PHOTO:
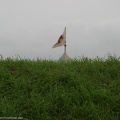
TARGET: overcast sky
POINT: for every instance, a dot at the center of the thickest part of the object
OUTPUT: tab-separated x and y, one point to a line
30	28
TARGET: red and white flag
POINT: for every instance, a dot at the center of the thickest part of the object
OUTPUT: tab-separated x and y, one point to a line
61	40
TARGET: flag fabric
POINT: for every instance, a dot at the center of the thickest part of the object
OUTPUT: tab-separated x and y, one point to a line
61	40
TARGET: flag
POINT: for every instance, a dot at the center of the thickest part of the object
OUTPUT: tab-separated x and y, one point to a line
61	40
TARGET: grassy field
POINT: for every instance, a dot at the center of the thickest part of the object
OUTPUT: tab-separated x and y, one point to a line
82	89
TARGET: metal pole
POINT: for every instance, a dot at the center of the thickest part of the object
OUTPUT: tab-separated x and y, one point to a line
65	49
65	41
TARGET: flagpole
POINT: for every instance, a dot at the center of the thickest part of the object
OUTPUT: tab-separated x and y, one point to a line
65	57
61	42
65	48
65	42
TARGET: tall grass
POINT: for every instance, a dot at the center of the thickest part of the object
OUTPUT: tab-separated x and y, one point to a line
82	89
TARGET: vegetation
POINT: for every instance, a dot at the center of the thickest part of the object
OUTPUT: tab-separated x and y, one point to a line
82	89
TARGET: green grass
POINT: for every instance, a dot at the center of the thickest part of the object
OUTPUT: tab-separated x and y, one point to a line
82	89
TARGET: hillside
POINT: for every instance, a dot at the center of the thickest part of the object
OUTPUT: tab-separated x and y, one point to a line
82	89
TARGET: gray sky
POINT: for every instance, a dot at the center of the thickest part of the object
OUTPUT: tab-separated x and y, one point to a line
30	28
